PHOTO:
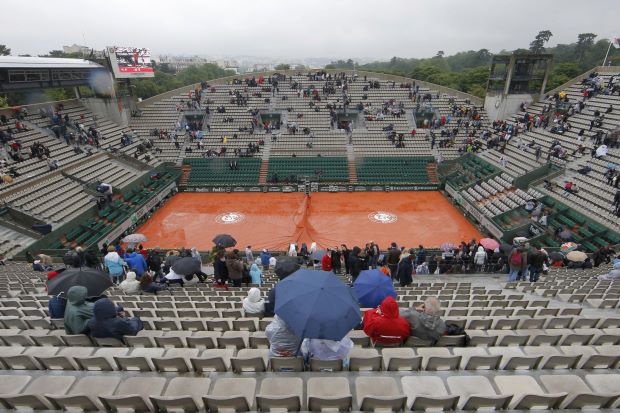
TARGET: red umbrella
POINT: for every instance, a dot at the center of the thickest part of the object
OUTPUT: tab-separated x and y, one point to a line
489	243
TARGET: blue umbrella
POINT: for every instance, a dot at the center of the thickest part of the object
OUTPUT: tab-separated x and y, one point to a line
372	286
316	304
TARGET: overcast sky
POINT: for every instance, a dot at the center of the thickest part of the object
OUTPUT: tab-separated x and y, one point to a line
293	28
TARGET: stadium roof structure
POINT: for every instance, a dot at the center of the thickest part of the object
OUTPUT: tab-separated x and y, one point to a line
26	73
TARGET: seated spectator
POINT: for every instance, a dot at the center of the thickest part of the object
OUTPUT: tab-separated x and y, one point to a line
327	350
282	341
253	304
384	325
130	285
424	321
147	285
78	311
37	266
112	322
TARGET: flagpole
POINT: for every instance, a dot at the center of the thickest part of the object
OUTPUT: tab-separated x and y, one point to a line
607	54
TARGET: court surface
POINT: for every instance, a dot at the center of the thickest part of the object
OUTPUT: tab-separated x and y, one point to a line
274	220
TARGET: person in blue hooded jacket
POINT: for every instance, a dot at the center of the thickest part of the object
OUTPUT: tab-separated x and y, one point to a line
264	259
110	321
136	262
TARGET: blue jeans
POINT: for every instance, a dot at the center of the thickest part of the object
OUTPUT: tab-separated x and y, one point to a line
513	274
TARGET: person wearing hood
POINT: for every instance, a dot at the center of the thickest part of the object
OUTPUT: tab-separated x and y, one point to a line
235	268
282	341
114	263
480	258
249	255
135	262
384	325
326	261
109	321
78	311
327	350
264	259
130	285
355	263
424	320
253	304
256	274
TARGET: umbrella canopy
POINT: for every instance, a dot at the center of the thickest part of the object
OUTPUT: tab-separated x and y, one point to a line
134	238
447	246
316	304
556	256
566	235
318	255
576	256
568	247
506	248
186	266
371	288
285	266
224	240
95	281
489	243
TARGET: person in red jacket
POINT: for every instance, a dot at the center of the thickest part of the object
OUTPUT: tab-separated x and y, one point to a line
384	325
326	262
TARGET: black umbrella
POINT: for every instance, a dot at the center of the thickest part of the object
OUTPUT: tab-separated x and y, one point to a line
285	266
318	255
186	266
556	256
95	281
224	240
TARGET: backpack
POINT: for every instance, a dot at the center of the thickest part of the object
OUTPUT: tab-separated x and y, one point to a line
456	330
515	260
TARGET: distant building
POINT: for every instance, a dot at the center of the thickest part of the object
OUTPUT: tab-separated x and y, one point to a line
76	48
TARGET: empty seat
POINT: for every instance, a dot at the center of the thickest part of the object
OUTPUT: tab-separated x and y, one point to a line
476	392
254	360
182	393
280	393
379	393
580	396
427	392
82	395
527	393
329	393
32	397
396	359
364	359
231	393
133	393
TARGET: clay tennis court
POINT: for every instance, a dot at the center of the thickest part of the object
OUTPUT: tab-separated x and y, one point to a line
274	220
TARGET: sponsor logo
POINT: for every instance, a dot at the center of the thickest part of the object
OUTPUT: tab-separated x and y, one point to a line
382	217
229	218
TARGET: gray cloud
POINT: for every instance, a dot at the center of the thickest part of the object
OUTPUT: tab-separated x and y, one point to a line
291	28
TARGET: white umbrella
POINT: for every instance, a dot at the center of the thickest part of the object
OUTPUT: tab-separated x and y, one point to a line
133	239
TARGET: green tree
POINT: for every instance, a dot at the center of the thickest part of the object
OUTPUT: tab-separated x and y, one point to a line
4	102
538	44
4	51
440	54
584	43
283	66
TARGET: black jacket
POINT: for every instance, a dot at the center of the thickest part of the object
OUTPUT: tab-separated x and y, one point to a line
405	269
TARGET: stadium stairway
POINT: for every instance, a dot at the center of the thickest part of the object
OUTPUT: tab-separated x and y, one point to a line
352	166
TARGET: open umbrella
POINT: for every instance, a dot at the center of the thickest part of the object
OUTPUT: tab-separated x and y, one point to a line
489	243
186	266
576	256
285	266
318	255
556	256
371	288
566	235
447	246
134	238
317	304
224	240
95	281
568	247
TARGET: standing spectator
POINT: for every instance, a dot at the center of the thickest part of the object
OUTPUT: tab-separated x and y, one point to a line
114	263
480	258
249	255
405	269
264	259
135	262
235	268
517	261
355	263
393	258
326	261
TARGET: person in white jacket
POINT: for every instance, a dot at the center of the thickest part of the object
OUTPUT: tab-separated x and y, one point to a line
480	258
130	285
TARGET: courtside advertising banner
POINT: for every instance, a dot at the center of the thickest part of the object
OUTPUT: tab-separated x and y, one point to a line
130	62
